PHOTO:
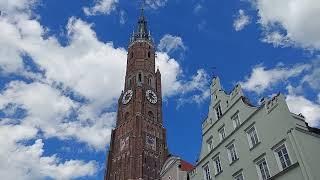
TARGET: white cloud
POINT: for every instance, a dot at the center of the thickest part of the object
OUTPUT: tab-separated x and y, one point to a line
49	110
311	110
241	21
70	99
202	26
169	43
101	7
12	6
313	78
290	22
199	83
85	66
170	70
277	39
155	4
172	84
261	78
198	7
123	17
19	161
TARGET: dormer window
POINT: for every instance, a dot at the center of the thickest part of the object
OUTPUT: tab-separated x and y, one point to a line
218	111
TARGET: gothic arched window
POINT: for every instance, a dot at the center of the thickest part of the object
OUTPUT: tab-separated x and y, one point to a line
151	115
140	77
129	82
126	117
150	81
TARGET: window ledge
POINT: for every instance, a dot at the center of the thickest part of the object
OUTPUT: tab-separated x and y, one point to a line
233	162
284	171
254	146
218	173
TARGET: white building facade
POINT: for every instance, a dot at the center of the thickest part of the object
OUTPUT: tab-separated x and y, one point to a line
241	141
175	169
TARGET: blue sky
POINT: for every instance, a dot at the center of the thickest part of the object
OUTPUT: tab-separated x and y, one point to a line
62	66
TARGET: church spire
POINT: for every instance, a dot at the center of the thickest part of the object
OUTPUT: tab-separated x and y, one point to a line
141	32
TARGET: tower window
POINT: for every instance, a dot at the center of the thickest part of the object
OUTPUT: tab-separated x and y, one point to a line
150	81
130	82
131	54
150	114
149	54
126	117
140	77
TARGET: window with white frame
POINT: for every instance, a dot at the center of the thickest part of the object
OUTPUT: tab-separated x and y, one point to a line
236	120
217	163
282	157
238	176
218	111
252	136
222	133
210	144
206	171
232	153
263	170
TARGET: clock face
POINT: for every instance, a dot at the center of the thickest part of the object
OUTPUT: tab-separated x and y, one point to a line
127	97
151	96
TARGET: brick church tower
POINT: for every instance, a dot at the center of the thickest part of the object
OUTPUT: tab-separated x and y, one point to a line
138	145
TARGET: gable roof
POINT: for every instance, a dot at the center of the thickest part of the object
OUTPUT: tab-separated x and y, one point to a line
185	166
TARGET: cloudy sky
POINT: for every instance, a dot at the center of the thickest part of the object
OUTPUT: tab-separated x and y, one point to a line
62	66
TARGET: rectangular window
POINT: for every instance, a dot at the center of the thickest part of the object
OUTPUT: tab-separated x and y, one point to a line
252	137
283	157
238	176
222	133
217	163
236	120
263	169
218	111
206	170
210	144
232	153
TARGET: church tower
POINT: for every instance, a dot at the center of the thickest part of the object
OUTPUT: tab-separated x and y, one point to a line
138	145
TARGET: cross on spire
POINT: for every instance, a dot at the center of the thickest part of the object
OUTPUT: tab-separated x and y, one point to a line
142	32
143	3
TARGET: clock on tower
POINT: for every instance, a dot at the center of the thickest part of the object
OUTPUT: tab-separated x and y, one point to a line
138	145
